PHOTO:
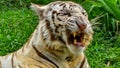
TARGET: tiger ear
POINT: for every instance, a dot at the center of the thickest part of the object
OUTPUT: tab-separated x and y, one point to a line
38	9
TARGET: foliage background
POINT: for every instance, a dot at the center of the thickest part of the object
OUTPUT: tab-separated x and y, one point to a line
17	22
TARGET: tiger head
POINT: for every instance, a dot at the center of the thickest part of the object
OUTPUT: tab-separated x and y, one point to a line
64	25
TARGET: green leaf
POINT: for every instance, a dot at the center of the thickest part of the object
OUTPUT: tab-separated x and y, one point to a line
111	7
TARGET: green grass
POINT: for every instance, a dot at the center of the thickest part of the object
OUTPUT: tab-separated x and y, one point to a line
16	25
104	50
18	22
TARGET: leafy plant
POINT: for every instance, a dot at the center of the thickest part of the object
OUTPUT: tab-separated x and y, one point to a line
112	7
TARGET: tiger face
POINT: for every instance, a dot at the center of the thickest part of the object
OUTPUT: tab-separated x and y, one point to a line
64	25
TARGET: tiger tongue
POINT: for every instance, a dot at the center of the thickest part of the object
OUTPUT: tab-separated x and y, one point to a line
79	44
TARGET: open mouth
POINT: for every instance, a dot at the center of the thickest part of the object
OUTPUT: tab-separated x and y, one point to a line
77	39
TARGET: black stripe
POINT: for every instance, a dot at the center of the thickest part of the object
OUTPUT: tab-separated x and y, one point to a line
41	55
59	19
19	66
38	66
52	37
82	63
12	62
53	12
62	4
0	65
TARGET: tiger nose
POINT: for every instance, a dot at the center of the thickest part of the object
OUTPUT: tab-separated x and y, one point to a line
82	26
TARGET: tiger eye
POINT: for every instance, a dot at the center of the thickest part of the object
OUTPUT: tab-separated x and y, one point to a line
84	13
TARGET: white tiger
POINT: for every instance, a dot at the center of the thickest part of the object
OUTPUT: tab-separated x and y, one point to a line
59	41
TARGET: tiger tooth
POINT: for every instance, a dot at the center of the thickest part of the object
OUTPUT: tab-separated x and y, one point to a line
74	34
83	40
75	41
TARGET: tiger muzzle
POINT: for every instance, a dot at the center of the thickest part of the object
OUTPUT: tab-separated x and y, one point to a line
77	37
81	22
